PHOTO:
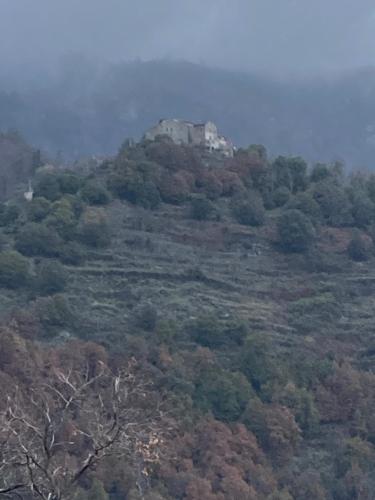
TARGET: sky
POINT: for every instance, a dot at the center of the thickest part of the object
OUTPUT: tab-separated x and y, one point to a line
274	36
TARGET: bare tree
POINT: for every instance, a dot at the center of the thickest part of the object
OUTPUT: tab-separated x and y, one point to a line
52	434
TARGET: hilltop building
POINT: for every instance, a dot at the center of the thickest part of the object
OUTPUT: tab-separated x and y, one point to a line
183	132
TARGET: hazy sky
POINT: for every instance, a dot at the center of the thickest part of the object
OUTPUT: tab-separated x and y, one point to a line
280	36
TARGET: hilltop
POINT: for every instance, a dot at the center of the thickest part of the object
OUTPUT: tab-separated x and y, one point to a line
320	119
243	287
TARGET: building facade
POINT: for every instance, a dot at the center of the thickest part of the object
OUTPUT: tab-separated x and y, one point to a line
183	132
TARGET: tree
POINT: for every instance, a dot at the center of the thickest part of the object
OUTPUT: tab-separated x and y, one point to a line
69	183
334	203
48	187
281	196
9	214
51	278
62	218
363	209
38	209
295	231
56	431
320	172
95	194
358	248
305	202
201	208
250	211
14	269
37	239
94	230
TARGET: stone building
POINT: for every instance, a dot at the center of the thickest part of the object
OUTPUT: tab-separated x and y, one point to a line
183	132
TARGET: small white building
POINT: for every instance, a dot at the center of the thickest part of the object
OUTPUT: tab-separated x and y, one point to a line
183	132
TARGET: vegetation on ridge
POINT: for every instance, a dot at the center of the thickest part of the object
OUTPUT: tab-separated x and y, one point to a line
240	289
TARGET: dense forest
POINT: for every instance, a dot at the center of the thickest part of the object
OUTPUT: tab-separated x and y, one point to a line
176	325
320	119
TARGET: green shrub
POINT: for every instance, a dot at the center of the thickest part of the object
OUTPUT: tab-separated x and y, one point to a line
295	231
54	313
95	194
131	185
76	204
324	306
281	196
149	196
38	209
223	393
306	204
209	332
363	210
249	211
51	278
48	187
71	254
201	208
320	172
62	219
255	362
38	239
146	317
334	203
14	270
166	330
302	404
93	230
69	183
9	214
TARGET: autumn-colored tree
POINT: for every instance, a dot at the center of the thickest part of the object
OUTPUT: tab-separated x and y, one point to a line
59	428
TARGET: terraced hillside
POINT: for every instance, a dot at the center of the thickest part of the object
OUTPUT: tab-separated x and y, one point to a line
243	290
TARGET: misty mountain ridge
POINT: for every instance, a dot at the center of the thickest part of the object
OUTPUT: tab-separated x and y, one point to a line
90	111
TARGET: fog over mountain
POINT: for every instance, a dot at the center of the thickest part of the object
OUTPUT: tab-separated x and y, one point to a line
78	77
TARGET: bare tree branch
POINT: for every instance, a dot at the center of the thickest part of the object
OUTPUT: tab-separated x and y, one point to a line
53	434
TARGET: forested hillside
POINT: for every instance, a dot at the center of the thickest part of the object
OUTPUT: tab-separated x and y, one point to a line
320	119
179	326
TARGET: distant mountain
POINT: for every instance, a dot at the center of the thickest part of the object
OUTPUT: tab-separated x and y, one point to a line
91	111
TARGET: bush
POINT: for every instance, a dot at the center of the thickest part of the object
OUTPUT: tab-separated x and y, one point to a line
249	211
62	219
358	248
51	278
146	317
69	183
72	254
255	362
295	231
201	208
224	393
281	196
54	313
306	204
363	210
14	270
132	187
48	187
38	209
209	332
38	239
95	194
9	214
334	203
93	230
320	172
